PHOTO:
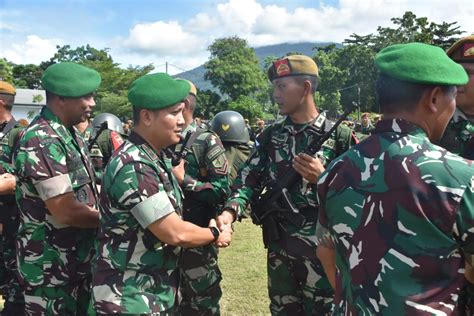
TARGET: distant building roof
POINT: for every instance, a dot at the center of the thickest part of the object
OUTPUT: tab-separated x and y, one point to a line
30	97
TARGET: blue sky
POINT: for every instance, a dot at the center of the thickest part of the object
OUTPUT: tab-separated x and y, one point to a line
179	31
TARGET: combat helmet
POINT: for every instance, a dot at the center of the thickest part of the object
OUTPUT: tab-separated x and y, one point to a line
113	122
231	127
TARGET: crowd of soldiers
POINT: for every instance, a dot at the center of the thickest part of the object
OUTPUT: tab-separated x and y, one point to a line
99	220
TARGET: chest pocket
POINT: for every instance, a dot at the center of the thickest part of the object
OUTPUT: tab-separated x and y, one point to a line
77	171
3	144
278	149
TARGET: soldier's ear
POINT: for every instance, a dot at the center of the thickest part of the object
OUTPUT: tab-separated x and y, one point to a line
307	87
146	117
432	98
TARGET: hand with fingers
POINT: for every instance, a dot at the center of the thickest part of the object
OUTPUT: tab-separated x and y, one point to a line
225	235
310	168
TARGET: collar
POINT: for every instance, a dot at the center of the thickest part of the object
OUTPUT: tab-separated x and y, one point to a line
56	124
399	126
316	123
140	142
191	127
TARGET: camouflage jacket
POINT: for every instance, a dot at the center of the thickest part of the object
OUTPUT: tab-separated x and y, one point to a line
7	144
277	146
134	272
397	209
106	143
8	208
457	137
237	155
52	160
206	181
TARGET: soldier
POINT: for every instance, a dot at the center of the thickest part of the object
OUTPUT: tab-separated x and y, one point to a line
205	188
458	137
10	132
141	231
108	140
234	134
57	196
365	127
396	210
296	281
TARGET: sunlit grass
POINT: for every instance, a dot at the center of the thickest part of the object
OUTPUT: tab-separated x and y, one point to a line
243	266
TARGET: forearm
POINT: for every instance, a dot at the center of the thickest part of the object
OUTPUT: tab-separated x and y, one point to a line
172	230
7	187
82	216
327	256
193	236
212	192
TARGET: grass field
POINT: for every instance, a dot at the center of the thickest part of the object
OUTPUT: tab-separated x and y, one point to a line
243	266
244	271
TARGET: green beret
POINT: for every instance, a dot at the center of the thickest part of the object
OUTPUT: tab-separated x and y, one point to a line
295	65
157	91
71	80
420	63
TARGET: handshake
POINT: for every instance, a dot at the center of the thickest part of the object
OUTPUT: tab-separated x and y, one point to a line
223	223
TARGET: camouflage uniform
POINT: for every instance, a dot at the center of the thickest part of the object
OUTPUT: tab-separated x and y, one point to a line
237	155
53	258
296	280
397	209
457	137
9	283
103	148
205	187
134	272
364	130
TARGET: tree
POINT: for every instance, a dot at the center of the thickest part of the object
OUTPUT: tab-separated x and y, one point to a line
247	106
357	55
6	70
208	104
233	68
332	79
112	93
27	76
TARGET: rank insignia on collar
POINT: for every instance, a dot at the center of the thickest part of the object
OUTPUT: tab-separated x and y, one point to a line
282	67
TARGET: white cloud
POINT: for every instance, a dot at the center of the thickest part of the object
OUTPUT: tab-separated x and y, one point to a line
185	44
33	50
201	23
161	38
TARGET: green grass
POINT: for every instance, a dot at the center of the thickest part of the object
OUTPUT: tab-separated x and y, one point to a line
244	271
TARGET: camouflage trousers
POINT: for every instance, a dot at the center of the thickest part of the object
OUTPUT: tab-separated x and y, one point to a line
58	300
466	300
199	286
297	285
10	287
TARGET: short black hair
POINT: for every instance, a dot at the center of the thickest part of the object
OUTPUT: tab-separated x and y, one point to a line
394	95
9	99
312	79
192	102
136	113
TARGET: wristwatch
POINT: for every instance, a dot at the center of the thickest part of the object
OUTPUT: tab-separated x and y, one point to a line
215	232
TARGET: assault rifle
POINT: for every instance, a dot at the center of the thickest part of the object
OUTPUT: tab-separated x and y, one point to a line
272	201
185	144
102	128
